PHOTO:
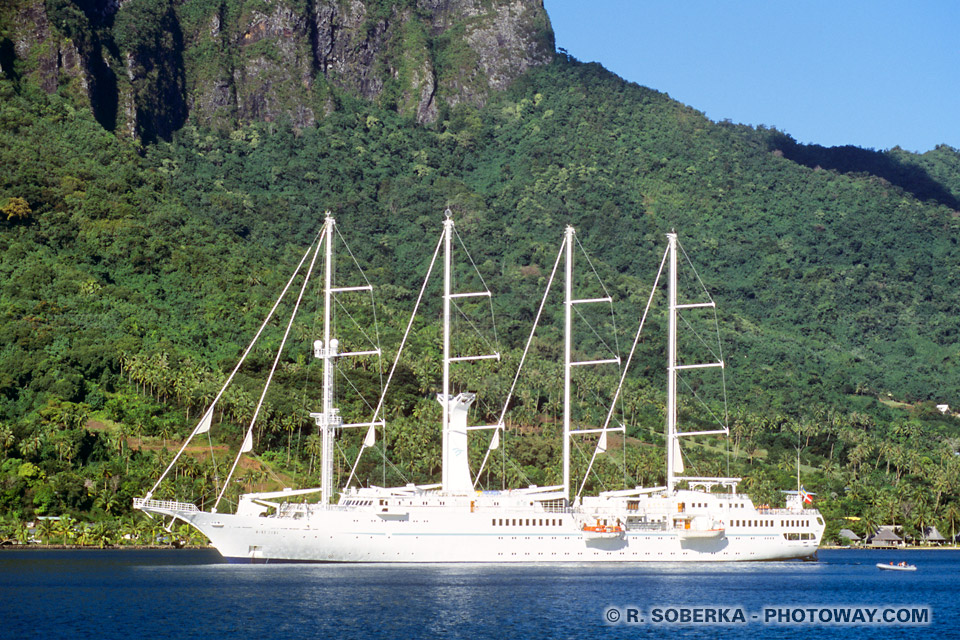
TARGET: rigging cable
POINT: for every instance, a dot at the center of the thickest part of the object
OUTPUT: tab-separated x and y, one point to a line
208	414
248	439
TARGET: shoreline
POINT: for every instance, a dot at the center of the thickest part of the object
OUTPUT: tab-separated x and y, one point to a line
906	548
167	547
81	547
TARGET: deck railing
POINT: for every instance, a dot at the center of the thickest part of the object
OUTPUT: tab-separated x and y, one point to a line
166	505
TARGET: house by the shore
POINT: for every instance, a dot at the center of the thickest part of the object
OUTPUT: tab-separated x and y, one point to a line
885	537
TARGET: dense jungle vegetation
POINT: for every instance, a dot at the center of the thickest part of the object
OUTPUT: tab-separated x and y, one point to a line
132	276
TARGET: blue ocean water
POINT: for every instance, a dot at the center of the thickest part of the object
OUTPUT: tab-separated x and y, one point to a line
192	594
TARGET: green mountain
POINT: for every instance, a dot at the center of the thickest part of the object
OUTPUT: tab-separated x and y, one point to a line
166	164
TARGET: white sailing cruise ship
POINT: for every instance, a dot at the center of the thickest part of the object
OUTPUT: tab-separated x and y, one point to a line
689	519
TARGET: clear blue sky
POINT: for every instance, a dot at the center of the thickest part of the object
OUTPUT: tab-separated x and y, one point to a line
875	74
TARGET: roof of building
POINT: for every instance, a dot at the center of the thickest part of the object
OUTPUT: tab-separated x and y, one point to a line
885	533
930	534
849	535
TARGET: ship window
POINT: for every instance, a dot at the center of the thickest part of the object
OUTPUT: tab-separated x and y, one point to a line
493	522
514	522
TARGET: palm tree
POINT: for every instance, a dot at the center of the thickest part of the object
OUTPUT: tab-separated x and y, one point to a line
65	529
129	530
952	514
45	529
7	439
32	444
314	446
102	534
22	533
165	432
138	427
85	537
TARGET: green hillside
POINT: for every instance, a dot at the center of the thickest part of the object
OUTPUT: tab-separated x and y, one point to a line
133	275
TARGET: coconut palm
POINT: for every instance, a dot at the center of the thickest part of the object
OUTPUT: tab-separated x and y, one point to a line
85	534
65	529
46	528
952	515
7	439
101	534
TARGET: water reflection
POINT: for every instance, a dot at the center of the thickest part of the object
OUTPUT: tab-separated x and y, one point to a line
122	594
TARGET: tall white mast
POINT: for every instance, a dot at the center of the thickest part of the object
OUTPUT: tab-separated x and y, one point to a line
447	233
456	459
329	418
672	362
328	350
567	348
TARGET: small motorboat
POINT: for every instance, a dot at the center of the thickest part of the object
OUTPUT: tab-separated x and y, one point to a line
900	566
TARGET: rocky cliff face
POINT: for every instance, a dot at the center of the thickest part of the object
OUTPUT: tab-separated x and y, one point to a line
145	66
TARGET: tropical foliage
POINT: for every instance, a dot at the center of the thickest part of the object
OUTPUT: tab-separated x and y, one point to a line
132	276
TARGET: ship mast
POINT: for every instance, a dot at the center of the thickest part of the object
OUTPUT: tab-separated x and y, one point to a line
567	348
329	418
445	403
674	460
327	350
569	363
672	361
455	459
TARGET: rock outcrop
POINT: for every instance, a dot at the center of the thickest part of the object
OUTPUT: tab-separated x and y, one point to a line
145	66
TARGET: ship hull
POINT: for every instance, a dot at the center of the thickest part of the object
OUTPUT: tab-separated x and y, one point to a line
339	536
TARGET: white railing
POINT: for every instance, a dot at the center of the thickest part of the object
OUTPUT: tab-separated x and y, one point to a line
166	505
787	512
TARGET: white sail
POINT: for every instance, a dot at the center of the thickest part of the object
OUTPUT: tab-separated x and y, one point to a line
204	425
247	445
371	438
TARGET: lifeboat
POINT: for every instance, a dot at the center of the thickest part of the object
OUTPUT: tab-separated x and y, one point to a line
601	531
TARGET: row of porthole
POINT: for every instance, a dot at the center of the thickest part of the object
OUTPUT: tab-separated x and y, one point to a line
525	522
769	523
